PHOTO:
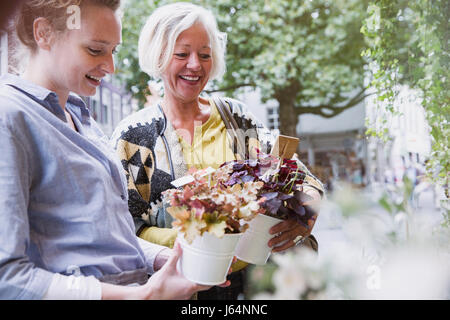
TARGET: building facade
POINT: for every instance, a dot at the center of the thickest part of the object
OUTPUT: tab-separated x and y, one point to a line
110	104
335	148
409	143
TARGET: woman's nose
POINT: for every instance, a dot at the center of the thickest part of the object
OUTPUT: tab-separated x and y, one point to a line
108	64
194	62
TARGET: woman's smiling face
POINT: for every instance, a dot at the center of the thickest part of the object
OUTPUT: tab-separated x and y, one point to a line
82	57
190	65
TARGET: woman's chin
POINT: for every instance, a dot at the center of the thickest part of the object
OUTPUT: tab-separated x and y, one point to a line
189	95
87	92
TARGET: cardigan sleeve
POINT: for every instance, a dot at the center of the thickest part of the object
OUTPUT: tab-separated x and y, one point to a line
136	153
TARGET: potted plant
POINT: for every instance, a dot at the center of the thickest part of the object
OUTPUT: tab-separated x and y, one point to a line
281	197
211	216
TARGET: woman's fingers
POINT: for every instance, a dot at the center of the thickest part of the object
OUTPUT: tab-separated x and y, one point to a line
286	232
283	226
284	238
286	245
176	253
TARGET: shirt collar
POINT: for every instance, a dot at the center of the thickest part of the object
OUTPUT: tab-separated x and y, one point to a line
78	106
39	92
48	98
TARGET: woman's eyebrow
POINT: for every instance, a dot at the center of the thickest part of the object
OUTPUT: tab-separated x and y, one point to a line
188	45
101	41
105	42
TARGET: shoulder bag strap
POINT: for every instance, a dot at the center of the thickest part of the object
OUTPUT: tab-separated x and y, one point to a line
232	127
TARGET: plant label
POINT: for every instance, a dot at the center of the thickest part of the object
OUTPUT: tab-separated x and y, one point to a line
188	179
285	147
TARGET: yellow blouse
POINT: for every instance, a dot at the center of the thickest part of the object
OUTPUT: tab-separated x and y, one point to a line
210	147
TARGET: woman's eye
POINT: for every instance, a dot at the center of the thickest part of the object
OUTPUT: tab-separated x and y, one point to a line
205	56
94	51
181	55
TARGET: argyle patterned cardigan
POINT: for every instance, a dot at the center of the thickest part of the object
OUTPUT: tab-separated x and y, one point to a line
137	140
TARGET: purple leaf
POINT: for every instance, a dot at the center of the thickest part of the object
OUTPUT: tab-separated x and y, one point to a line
253	162
285	197
296	207
270	195
310	212
239	173
284	212
272	205
300	210
302	197
232	181
247	179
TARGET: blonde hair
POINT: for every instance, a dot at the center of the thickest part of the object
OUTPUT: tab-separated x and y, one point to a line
55	11
160	32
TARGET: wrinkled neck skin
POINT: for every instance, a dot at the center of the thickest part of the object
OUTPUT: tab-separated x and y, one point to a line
184	114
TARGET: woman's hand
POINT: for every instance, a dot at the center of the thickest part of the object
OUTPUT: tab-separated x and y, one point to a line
287	231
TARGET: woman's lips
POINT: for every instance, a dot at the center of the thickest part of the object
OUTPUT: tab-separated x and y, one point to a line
190	78
94	80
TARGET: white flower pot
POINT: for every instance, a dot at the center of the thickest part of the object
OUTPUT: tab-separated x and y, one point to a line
252	246
208	258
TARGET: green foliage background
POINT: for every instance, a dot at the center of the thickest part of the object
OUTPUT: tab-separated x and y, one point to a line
409	44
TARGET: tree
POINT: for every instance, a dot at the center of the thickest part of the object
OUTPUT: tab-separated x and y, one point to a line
304	54
409	44
135	13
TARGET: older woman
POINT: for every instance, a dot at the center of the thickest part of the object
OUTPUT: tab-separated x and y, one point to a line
180	44
65	230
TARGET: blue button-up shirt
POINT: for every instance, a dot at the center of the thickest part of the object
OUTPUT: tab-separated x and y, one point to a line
63	196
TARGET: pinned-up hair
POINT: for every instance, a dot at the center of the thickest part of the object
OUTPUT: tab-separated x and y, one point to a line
55	11
160	32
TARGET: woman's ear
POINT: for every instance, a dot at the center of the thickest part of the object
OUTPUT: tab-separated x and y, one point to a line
43	33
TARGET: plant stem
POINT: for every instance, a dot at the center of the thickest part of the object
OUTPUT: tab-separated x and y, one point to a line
277	170
292	182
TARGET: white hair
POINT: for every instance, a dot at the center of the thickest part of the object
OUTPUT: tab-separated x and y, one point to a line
160	32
